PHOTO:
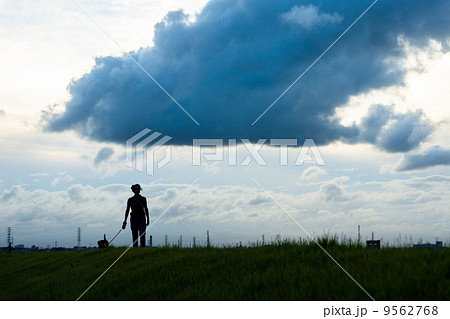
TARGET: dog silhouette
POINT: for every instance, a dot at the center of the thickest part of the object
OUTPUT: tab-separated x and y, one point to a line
103	243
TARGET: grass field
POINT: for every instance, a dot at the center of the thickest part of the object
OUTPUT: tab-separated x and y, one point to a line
287	271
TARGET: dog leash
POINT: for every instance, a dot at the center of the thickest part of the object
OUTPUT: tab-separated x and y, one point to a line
116	235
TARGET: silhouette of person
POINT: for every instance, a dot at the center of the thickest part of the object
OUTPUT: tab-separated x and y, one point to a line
139	219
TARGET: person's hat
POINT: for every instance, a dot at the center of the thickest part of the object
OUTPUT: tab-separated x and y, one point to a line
136	186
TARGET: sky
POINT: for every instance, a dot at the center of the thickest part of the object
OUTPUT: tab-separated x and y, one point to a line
80	78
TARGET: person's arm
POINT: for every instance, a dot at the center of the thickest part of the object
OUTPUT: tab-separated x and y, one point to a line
147	212
127	211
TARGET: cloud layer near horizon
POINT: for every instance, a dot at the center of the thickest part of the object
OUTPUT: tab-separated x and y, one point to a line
416	206
239	56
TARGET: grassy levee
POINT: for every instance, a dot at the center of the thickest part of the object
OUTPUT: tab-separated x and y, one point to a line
288	271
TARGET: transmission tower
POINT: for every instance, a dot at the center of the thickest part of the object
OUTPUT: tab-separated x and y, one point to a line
79	237
8	237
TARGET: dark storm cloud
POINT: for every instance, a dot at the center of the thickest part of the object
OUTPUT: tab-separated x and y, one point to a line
433	156
394	132
405	132
239	56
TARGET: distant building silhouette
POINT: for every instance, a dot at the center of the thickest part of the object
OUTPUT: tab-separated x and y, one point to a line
374	244
438	245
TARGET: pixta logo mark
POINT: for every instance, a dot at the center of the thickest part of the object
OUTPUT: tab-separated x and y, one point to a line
140	151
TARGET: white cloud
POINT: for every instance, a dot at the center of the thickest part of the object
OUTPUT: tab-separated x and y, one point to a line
103	155
427	77
311	173
11	194
432	157
78	193
62	178
38	174
412	206
28	31
333	192
417	206
309	16
211	168
259	199
97	225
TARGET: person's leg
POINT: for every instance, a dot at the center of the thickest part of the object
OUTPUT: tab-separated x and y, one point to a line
134	231
142	232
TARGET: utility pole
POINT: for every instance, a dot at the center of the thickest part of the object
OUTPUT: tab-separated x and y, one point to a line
193	242
8	237
263	239
359	234
207	238
79	237
165	241
181	241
